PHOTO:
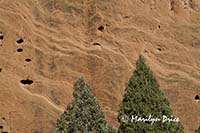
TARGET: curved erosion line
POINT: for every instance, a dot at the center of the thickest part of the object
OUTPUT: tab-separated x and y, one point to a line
46	38
123	56
26	13
44	98
8	11
181	73
184	76
31	23
178	64
154	37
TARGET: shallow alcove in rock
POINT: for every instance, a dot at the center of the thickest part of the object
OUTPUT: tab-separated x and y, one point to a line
4	132
20	41
0	69
20	50
96	44
28	60
101	28
197	97
1	127
27	82
172	4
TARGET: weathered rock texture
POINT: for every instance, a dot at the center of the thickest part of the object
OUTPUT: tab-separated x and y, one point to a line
99	40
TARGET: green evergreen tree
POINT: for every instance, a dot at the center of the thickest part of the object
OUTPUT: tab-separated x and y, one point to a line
83	114
142	98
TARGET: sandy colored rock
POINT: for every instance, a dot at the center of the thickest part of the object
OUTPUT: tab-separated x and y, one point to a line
63	40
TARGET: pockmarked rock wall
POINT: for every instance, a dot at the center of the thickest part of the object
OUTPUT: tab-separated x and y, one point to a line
47	44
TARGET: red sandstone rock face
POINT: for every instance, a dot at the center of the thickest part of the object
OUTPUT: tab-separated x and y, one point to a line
99	40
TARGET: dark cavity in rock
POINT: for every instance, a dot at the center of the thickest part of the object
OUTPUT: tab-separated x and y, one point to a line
96	44
28	60
101	28
27	82
20	50
20	41
197	97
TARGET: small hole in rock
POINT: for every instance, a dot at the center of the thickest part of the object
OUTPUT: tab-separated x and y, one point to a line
19	50
28	60
101	28
20	41
197	97
159	26
1	37
0	69
27	82
159	49
1	127
97	44
4	132
3	118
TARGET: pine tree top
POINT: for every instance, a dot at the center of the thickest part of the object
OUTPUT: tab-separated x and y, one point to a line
83	114
142	98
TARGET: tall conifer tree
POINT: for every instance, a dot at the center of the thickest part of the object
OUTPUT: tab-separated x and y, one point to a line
142	98
84	114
